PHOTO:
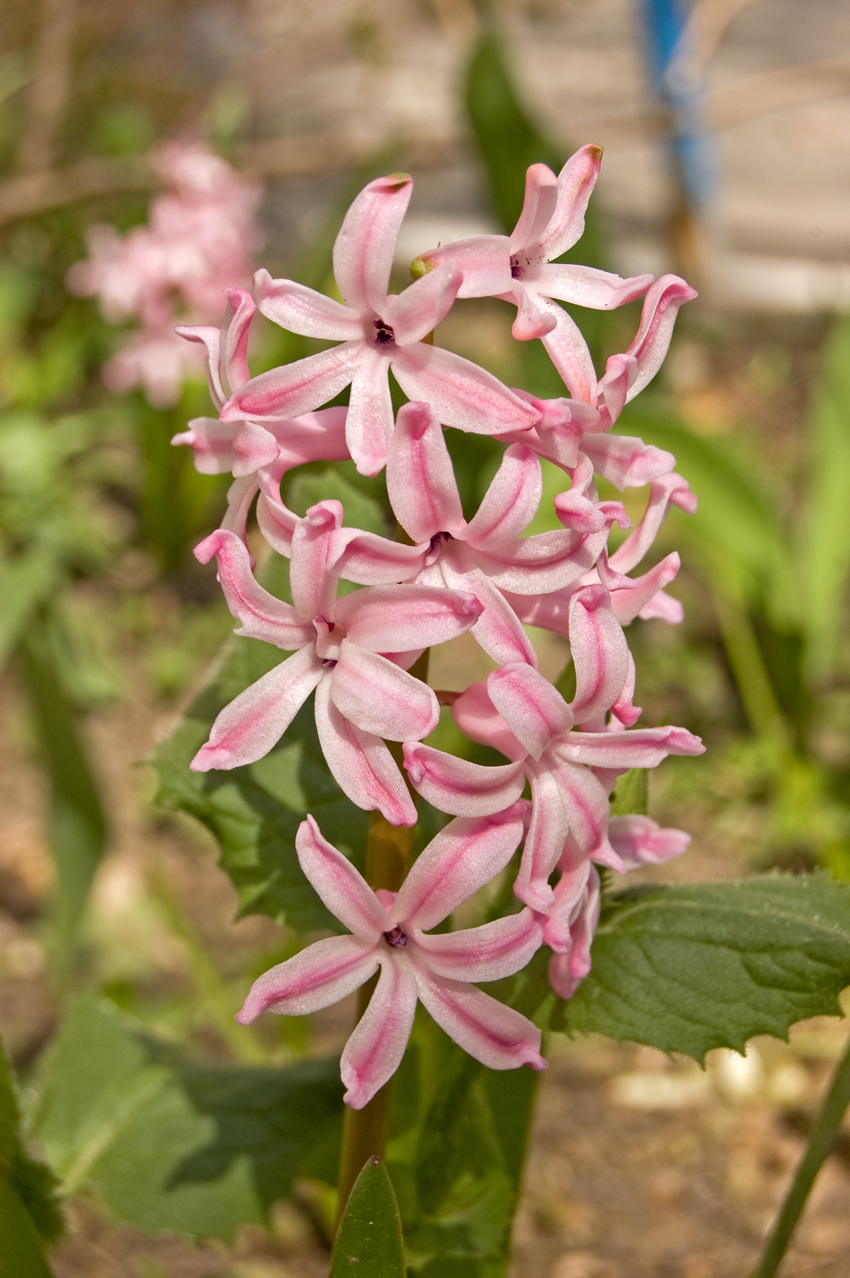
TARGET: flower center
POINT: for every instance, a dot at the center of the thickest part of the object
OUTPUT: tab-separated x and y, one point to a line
395	938
385	335
436	545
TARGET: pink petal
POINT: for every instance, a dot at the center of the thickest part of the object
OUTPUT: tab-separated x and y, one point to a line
625	461
544	842
532	708
669	488
638	748
262	615
613	389
234	336
295	388
484	261
569	353
543	562
420	477
318	436
569	897
369	424
628	604
376	561
417	311
253	448
599	651
567	971
510	502
312	579
460	393
475	715
254	722
498	629
340	885
212	443
364	248
538	207
466	854
210	337
587	286
277	523
361	764
380	698
486	953
533	317
401	618
316	977
240	496
660	307
641	841
460	787
664	607
303	310
586	805
373	1052
575	186
494	1034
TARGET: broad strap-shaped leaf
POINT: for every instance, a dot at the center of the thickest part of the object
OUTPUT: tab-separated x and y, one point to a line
689	967
369	1239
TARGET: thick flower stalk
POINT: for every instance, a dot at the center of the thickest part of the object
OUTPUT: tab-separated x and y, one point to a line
448	571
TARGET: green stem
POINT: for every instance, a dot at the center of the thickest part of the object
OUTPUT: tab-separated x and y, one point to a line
821	1141
745	657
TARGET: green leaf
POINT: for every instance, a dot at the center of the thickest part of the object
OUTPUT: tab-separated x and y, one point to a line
370	1231
108	1119
27	1187
825	539
25	582
631	793
286	1122
77	820
689	967
736	531
21	1252
254	812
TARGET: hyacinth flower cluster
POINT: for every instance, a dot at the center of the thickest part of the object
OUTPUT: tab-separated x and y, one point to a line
199	241
443	576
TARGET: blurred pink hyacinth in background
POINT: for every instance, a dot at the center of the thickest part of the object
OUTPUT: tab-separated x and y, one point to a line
198	242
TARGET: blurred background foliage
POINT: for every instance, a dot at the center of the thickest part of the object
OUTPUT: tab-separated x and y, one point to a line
108	625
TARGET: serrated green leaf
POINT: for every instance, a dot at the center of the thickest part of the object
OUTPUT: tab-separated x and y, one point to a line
286	1122
254	812
689	967
109	1120
27	1187
370	1232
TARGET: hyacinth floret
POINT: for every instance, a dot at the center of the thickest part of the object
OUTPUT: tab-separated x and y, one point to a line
443	575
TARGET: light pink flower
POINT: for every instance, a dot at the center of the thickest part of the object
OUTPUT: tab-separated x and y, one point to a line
517	267
522	715
344	651
486	555
197	244
390	932
570	964
378	331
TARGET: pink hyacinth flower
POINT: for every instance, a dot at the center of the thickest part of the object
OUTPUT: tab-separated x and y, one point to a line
522	715
390	931
569	967
486	555
518	267
378	331
344	651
